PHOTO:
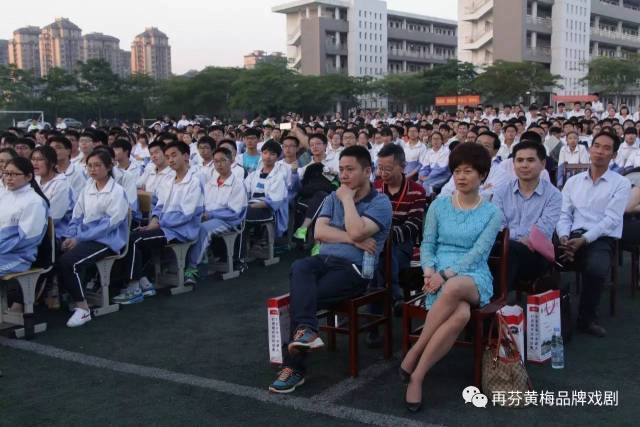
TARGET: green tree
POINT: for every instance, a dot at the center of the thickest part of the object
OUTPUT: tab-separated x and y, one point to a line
404	89
138	96
18	88
507	81
60	91
98	87
268	89
613	76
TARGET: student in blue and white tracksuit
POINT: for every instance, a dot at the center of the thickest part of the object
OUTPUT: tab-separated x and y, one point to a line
225	206
236	169
176	217
267	190
98	228
55	187
23	217
73	171
435	164
157	176
127	172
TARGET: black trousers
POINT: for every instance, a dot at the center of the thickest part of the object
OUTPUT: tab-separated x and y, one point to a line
523	264
140	245
72	262
631	230
593	261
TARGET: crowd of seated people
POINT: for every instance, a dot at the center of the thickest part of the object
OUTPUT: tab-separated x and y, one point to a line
445	184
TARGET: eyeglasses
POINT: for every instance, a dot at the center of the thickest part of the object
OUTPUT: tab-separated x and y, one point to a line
12	174
220	162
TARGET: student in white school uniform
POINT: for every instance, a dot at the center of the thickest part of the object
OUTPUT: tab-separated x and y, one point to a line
225	206
98	228
267	191
6	154
573	152
141	150
626	150
206	147
176	217
55	187
74	172
23	217
414	150
157	175
435	164
633	161
236	169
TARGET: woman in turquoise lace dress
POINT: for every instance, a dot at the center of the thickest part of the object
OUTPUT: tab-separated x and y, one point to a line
459	232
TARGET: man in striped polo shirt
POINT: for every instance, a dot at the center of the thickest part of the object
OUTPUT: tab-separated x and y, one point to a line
408	200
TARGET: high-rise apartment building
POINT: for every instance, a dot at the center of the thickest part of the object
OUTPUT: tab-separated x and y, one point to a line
60	46
101	46
562	34
151	54
24	49
363	38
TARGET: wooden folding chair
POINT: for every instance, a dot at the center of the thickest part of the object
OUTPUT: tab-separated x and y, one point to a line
415	309
28	281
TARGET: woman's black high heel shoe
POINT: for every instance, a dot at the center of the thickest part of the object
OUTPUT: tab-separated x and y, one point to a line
414	407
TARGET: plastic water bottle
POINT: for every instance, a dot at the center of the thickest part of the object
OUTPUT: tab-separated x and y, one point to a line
557	350
368	265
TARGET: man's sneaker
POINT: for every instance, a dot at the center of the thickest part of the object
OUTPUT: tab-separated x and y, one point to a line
80	317
287	381
300	234
315	250
129	296
305	338
191	276
148	290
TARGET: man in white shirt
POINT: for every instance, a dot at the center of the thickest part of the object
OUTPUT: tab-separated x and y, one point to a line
597	106
593	205
510	133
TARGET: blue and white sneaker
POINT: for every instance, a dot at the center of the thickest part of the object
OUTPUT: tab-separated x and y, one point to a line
287	381
148	290
129	296
305	339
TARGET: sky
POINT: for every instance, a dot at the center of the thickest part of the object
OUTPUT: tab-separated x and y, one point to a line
201	32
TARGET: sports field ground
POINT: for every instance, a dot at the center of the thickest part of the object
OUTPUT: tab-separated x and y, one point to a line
202	359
